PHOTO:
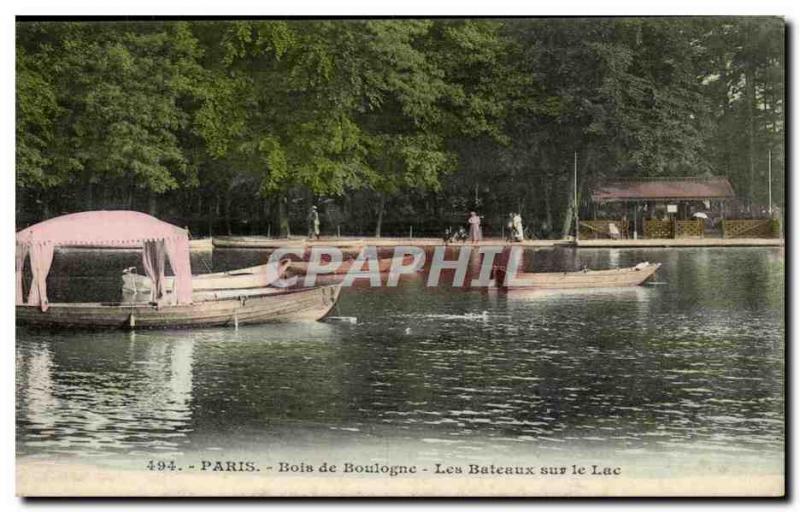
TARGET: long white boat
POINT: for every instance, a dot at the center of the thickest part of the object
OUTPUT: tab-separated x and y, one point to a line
611	278
258	276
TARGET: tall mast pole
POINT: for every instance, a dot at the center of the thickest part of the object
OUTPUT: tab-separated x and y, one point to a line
575	193
769	171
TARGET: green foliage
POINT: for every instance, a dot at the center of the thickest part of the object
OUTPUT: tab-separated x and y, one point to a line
36	107
119	114
484	113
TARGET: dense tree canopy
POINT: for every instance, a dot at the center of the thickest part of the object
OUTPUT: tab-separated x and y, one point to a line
239	126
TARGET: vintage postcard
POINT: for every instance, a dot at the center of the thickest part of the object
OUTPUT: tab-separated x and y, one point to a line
515	257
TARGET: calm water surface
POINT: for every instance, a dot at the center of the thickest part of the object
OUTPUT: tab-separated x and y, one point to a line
688	369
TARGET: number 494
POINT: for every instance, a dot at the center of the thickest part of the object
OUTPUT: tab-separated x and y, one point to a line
162	465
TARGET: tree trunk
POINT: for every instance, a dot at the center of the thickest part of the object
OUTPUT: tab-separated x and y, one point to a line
750	92
262	216
45	205
152	203
228	211
20	203
89	197
381	203
211	218
548	211
280	216
131	192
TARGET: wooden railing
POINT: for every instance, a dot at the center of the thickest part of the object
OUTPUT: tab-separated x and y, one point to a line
750	228
658	228
601	228
694	228
673	228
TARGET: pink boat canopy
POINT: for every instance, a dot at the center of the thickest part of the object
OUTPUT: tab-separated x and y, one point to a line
159	241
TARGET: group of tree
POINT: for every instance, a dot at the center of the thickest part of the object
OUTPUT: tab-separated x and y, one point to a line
239	126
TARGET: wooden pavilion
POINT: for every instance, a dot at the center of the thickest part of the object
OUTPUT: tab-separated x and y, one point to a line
659	207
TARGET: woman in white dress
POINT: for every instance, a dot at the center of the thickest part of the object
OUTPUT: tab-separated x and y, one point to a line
519	235
474	227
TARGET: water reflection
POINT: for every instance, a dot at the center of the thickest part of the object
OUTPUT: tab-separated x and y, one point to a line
90	394
40	401
693	365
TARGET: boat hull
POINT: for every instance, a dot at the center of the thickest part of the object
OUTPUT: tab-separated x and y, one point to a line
300	268
258	276
304	304
613	278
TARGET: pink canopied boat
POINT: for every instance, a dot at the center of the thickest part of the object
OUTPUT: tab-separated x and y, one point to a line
160	242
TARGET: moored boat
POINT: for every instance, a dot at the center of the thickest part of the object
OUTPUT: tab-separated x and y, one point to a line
258	276
201	245
270	306
160	242
352	246
611	278
300	268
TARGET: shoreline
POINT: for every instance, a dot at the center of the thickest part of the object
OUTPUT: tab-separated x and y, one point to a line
259	242
354	244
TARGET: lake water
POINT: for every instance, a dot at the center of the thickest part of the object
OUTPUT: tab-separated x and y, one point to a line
687	372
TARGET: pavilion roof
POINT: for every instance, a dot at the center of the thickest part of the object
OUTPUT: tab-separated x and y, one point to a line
664	189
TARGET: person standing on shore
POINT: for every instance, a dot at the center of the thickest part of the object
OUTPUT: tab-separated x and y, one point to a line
519	234
474	227
313	223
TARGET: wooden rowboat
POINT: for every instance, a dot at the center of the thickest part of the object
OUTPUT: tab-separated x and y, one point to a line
258	276
300	268
218	309
612	278
201	245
